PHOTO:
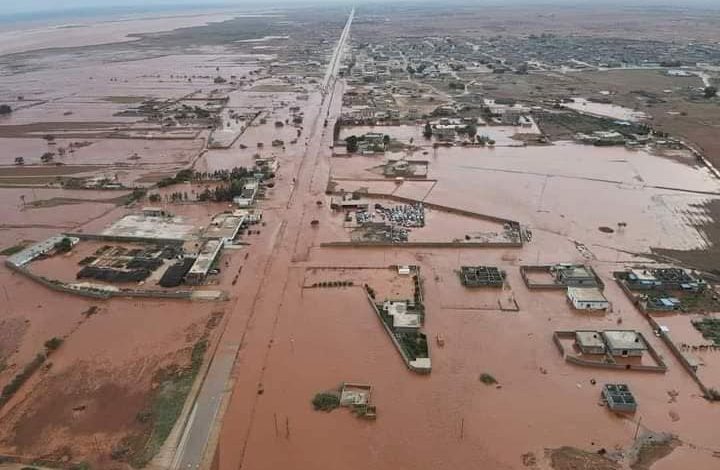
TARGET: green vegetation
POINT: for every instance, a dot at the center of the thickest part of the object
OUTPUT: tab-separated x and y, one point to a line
64	245
710	329
174	385
5	109
351	144
413	343
710	92
487	379
182	176
137	194
11	250
427	131
53	343
11	388
713	394
81	466
326	401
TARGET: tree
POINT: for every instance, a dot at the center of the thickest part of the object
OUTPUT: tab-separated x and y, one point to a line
5	109
471	131
351	144
386	140
427	132
64	245
710	91
19	160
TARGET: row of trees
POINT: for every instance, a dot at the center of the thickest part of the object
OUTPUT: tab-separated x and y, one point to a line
187	175
351	143
224	192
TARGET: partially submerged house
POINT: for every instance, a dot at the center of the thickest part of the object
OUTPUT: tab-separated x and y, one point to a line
590	342
402	319
587	298
624	343
575	275
619	398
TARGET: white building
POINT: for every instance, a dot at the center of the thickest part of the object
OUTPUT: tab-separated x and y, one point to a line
587	298
401	319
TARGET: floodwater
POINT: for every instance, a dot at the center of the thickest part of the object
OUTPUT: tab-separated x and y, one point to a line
605	109
98	32
295	342
303	341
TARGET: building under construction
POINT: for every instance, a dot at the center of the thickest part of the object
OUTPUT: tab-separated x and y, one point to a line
481	276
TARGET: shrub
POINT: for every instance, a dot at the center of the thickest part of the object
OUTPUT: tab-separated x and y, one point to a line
326	401
53	343
487	379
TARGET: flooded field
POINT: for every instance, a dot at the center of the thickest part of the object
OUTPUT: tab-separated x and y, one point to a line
165	114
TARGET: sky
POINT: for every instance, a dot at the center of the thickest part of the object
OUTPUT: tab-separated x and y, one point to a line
9	7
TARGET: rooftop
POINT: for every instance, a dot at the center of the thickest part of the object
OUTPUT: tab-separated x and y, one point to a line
205	258
624	339
586	294
589	339
574	271
141	226
225	226
401	317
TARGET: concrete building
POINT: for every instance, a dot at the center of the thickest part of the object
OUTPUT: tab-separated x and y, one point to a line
402	320
575	275
587	298
624	343
481	276
589	342
31	252
204	261
248	194
404	270
134	227
619	398
153	212
224	227
348	203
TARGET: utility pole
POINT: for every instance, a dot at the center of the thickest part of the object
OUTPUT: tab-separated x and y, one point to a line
637	428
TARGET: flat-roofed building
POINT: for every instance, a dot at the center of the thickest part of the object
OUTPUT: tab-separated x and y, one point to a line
625	343
345	203
402	320
590	342
575	275
224	227
619	398
587	298
204	261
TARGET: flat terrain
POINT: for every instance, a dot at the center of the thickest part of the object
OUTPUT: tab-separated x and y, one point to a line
106	121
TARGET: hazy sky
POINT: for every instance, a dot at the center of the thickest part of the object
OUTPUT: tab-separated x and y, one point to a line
28	6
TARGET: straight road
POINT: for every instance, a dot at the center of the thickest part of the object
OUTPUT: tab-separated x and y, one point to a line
201	431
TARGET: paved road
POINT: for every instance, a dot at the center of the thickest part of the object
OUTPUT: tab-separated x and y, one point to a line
201	430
